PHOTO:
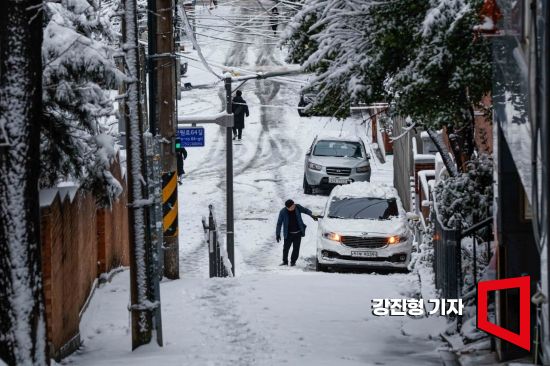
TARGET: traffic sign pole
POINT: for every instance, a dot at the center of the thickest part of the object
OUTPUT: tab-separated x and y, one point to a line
229	179
224	119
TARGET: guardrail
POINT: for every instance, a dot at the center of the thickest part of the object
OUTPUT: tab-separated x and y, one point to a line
217	254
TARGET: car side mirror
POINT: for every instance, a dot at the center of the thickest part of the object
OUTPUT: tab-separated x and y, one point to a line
319	215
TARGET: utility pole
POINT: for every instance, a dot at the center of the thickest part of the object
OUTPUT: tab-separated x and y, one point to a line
226	120
230	235
141	298
162	121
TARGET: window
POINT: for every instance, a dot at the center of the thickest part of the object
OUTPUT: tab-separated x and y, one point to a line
338	149
363	208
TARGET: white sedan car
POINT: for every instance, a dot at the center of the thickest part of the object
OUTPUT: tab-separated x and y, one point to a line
364	225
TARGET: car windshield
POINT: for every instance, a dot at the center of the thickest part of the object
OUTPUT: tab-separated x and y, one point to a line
338	149
363	208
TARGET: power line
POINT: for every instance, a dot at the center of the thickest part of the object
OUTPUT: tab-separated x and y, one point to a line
250	73
196	44
266	34
233	40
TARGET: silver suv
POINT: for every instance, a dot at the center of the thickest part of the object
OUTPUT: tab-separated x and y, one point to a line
335	160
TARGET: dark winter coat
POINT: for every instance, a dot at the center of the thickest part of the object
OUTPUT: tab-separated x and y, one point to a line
239	110
181	155
284	218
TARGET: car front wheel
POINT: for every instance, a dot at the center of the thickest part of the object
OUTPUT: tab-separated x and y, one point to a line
307	188
319	267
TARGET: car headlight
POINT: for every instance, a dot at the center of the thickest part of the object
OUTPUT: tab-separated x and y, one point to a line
314	166
395	239
363	169
333	236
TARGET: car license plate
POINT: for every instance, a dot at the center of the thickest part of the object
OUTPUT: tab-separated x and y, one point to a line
363	254
338	180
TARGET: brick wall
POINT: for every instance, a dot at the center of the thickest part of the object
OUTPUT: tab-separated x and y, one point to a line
79	242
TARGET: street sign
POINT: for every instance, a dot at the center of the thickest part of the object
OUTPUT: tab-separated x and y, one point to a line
190	136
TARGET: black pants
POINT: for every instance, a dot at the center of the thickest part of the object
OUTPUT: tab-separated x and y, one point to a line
240	132
294	241
180	164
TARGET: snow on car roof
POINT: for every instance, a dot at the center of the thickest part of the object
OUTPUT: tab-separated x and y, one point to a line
344	137
364	189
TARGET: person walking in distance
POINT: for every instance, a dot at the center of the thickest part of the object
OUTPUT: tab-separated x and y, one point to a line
181	155
290	219
274	20
240	109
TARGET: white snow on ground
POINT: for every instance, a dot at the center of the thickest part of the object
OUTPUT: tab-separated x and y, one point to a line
266	315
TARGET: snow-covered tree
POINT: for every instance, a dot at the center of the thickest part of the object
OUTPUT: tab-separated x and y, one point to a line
449	73
467	198
353	46
22	318
79	72
424	57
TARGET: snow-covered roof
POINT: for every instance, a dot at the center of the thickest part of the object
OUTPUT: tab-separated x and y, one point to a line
364	189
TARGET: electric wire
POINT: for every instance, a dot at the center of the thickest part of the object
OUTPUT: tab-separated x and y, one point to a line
196	44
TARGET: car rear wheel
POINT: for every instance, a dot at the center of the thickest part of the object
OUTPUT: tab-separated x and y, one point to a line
307	188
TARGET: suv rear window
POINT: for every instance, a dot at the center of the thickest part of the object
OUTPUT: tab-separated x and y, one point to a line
338	149
363	208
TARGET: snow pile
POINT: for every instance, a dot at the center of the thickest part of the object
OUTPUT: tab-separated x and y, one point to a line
364	189
343	136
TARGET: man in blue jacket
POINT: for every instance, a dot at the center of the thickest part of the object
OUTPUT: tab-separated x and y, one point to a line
290	218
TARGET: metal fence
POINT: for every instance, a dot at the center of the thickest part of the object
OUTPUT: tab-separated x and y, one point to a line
216	252
449	253
447	258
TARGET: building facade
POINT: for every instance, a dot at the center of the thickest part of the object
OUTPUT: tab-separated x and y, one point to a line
521	136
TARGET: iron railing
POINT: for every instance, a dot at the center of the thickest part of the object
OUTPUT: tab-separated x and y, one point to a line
448	253
216	253
447	258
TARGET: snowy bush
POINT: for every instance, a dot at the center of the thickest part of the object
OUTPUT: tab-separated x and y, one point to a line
423	253
79	73
467	199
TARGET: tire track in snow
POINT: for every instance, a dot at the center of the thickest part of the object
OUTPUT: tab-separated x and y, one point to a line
273	152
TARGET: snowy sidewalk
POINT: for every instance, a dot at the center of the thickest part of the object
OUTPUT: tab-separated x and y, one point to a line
294	318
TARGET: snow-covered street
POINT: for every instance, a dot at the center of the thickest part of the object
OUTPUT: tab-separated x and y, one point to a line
267	314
